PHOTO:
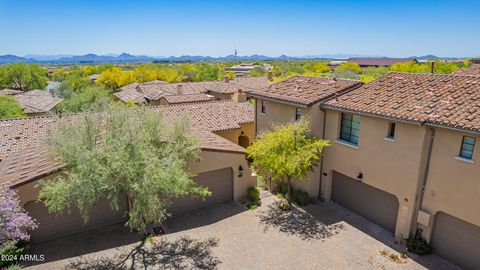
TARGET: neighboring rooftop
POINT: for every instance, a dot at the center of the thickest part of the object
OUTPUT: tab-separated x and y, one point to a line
140	93
473	70
305	91
444	100
380	61
37	101
187	98
17	134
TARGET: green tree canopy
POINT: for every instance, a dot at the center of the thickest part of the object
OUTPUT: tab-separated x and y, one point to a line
348	66
23	76
9	108
288	152
88	98
122	152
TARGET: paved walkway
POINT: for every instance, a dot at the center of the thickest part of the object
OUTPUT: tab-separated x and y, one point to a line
227	236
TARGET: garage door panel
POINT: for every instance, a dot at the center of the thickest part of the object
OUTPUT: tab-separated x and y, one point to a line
456	240
375	205
53	225
219	182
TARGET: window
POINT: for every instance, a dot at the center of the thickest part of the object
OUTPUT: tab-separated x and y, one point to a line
298	114
467	147
264	108
349	128
391	131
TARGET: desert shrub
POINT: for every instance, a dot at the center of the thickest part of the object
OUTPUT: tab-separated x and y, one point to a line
11	251
301	197
418	245
262	181
253	194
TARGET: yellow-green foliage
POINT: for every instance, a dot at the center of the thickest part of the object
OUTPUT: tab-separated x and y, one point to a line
9	108
288	151
348	66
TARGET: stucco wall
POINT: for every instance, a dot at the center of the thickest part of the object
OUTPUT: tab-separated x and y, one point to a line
453	186
232	135
395	167
209	160
280	113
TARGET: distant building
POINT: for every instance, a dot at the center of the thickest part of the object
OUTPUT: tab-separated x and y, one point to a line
37	102
244	69
371	61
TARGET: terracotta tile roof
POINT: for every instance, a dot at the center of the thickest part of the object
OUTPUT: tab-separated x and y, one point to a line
37	101
16	134
9	92
35	161
303	90
187	98
445	100
155	91
26	165
214	116
473	70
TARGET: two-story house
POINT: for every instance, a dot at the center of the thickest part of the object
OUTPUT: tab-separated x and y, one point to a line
403	156
294	99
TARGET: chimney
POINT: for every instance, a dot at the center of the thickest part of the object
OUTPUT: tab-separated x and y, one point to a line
270	76
179	89
226	79
239	96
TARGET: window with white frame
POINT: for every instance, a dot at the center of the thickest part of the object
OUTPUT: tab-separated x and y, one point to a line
466	151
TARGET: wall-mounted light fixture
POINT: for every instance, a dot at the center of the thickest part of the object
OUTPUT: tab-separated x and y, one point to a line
240	171
360	176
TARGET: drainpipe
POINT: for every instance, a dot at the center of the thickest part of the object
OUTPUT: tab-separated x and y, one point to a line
321	161
421	189
256	101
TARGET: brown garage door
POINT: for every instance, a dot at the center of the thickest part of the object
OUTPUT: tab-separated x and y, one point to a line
375	205
456	240
53	226
219	182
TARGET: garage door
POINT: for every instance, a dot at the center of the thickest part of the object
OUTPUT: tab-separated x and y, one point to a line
375	205
53	226
456	240
219	182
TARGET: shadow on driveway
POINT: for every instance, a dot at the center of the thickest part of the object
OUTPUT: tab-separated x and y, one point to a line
183	253
299	223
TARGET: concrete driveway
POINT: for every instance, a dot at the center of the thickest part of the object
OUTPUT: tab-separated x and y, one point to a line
228	236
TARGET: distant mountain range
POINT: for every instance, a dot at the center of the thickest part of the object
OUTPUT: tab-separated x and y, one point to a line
128	58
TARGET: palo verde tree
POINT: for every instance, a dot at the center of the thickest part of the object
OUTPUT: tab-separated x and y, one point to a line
288	152
122	153
23	76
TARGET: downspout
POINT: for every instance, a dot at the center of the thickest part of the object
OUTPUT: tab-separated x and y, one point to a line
421	189
321	161
256	101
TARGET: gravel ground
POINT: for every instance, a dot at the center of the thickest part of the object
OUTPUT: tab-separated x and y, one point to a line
228	236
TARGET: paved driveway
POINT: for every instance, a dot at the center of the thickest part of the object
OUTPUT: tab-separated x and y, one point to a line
227	236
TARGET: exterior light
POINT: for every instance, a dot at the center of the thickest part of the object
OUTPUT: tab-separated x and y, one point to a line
240	171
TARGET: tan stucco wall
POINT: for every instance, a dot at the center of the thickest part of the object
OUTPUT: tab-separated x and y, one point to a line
395	167
453	186
209	160
280	113
220	96
232	135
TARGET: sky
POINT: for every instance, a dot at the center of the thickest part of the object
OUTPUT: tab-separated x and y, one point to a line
399	28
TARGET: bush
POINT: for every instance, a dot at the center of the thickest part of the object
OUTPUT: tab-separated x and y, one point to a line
301	197
284	205
418	245
253	194
298	196
12	251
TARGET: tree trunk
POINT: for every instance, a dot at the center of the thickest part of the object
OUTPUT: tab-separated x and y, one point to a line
289	192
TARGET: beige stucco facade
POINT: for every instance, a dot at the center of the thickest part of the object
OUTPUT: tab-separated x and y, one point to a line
234	135
392	166
209	161
281	113
453	185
